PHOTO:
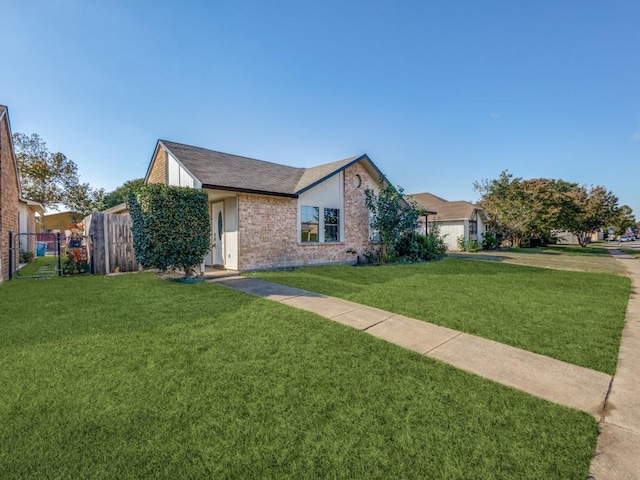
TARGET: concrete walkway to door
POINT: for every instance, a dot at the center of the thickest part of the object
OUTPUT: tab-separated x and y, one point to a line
544	377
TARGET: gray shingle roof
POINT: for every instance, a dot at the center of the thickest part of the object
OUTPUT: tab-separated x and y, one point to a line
217	169
233	172
313	175
446	210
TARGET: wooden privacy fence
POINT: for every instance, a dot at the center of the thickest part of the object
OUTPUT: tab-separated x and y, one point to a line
112	242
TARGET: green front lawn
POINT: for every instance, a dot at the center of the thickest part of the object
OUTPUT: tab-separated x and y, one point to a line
634	252
135	377
577	250
560	257
572	316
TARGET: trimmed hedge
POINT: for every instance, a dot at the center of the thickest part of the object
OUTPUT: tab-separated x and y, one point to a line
171	226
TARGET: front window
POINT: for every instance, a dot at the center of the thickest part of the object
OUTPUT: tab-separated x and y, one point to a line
473	227
331	225
309	224
319	224
374	233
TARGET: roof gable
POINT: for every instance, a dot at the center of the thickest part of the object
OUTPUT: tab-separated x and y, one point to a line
446	210
224	171
4	117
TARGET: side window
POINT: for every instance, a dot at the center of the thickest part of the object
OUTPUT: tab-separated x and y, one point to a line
374	234
473	227
309	224
331	225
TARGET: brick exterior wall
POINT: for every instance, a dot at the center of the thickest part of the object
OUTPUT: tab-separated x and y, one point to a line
9	195
268	229
158	173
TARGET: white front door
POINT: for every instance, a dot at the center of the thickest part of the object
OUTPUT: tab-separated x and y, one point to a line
217	221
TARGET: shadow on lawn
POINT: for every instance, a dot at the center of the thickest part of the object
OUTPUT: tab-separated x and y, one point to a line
343	280
38	311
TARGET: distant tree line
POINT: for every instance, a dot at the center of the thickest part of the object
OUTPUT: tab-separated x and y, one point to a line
525	212
52	179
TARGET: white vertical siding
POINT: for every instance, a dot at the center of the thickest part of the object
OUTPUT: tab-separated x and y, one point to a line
178	175
23	215
328	194
209	260
481	229
231	233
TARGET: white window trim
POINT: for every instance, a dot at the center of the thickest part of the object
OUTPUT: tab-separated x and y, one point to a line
373	233
321	224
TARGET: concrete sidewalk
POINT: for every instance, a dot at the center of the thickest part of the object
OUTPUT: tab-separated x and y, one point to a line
618	450
544	377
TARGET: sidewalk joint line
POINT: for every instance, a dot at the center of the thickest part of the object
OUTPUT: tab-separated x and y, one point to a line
344	313
605	404
635	432
446	341
288	298
377	323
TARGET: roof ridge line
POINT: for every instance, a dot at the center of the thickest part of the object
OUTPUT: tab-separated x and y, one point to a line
230	154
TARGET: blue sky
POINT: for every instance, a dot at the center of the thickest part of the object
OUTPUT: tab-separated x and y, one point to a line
439	94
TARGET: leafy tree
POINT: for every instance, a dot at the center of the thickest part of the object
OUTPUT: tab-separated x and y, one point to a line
121	194
394	217
520	209
552	205
594	208
171	226
623	219
83	200
509	206
45	176
52	179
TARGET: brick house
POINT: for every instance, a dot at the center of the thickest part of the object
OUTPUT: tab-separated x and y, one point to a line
454	219
17	214
267	215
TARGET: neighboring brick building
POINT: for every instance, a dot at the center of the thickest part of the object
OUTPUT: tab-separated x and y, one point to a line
266	215
9	191
17	215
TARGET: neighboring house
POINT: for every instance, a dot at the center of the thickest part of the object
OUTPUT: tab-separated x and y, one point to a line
266	215
58	222
27	223
17	214
454	219
117	209
567	238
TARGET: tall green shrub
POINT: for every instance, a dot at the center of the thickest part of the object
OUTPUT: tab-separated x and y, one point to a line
394	217
171	226
416	247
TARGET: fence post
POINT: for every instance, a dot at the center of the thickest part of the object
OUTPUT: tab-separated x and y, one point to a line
90	249
10	255
105	225
58	251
